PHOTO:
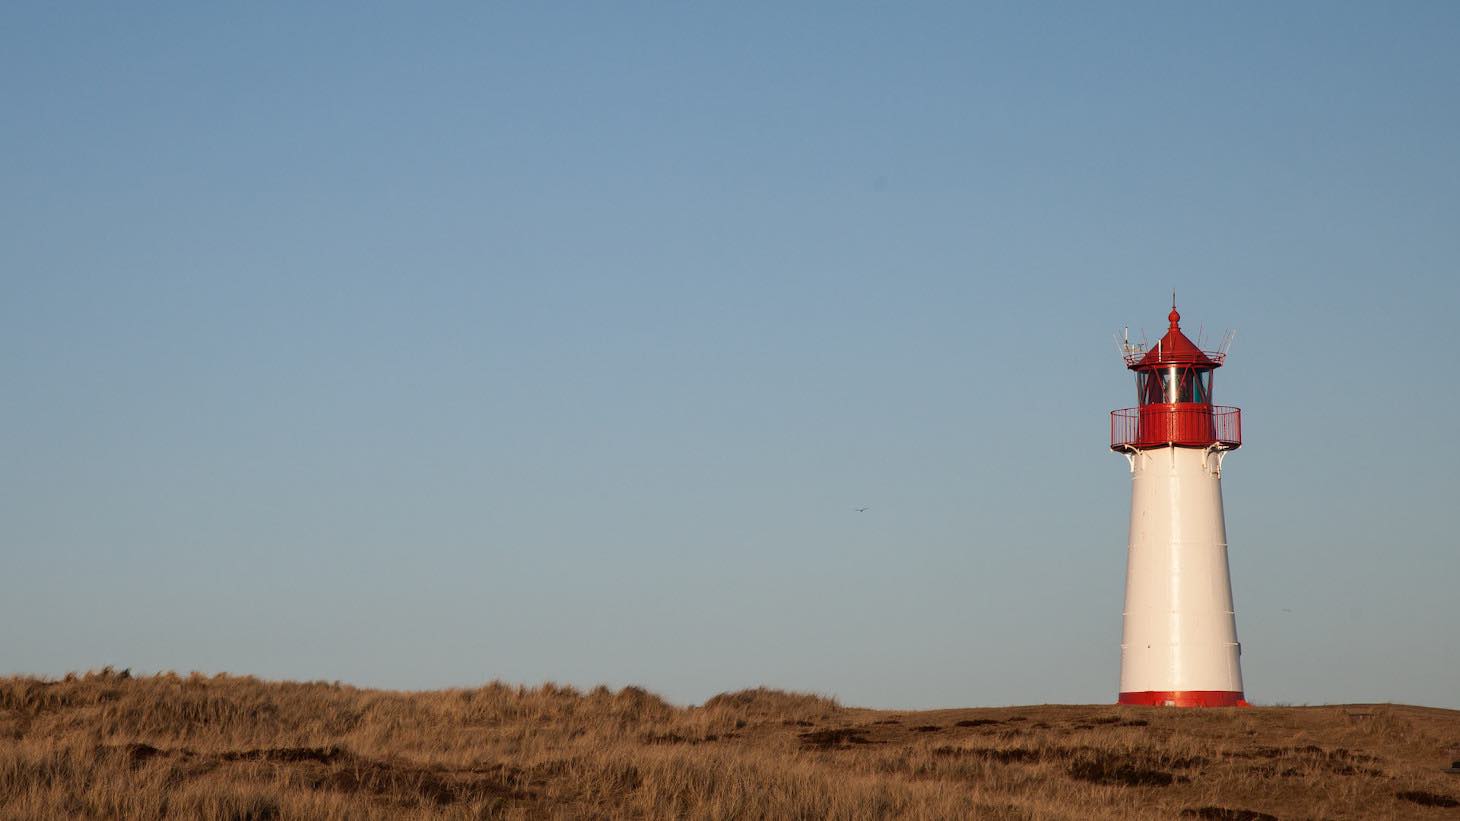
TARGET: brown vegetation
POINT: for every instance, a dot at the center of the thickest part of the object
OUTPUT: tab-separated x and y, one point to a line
107	745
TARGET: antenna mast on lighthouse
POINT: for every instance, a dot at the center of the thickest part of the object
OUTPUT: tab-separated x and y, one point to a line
1179	642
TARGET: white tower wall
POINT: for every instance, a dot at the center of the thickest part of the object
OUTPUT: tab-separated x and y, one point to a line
1179	644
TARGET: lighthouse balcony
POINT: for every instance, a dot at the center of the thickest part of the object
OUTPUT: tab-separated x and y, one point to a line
1185	424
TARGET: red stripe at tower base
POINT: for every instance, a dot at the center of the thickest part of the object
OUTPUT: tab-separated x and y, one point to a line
1185	698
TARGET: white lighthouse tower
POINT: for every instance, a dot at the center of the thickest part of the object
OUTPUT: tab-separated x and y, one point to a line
1179	646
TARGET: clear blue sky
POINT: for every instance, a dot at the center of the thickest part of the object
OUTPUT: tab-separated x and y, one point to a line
415	346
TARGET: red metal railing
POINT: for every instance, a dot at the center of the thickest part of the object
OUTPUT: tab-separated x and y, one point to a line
1192	424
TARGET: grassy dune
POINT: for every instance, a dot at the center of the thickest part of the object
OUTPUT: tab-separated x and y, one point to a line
108	745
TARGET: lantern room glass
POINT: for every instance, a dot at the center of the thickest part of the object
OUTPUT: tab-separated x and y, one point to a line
1174	384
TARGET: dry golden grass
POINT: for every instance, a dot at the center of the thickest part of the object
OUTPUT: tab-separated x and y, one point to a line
107	745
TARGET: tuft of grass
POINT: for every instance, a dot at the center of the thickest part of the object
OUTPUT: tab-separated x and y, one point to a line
110	744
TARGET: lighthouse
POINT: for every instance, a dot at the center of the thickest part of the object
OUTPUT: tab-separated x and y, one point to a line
1179	641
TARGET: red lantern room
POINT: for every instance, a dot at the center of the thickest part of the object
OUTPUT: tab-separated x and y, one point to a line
1174	389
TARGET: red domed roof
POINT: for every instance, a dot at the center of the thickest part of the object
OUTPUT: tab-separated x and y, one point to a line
1174	349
